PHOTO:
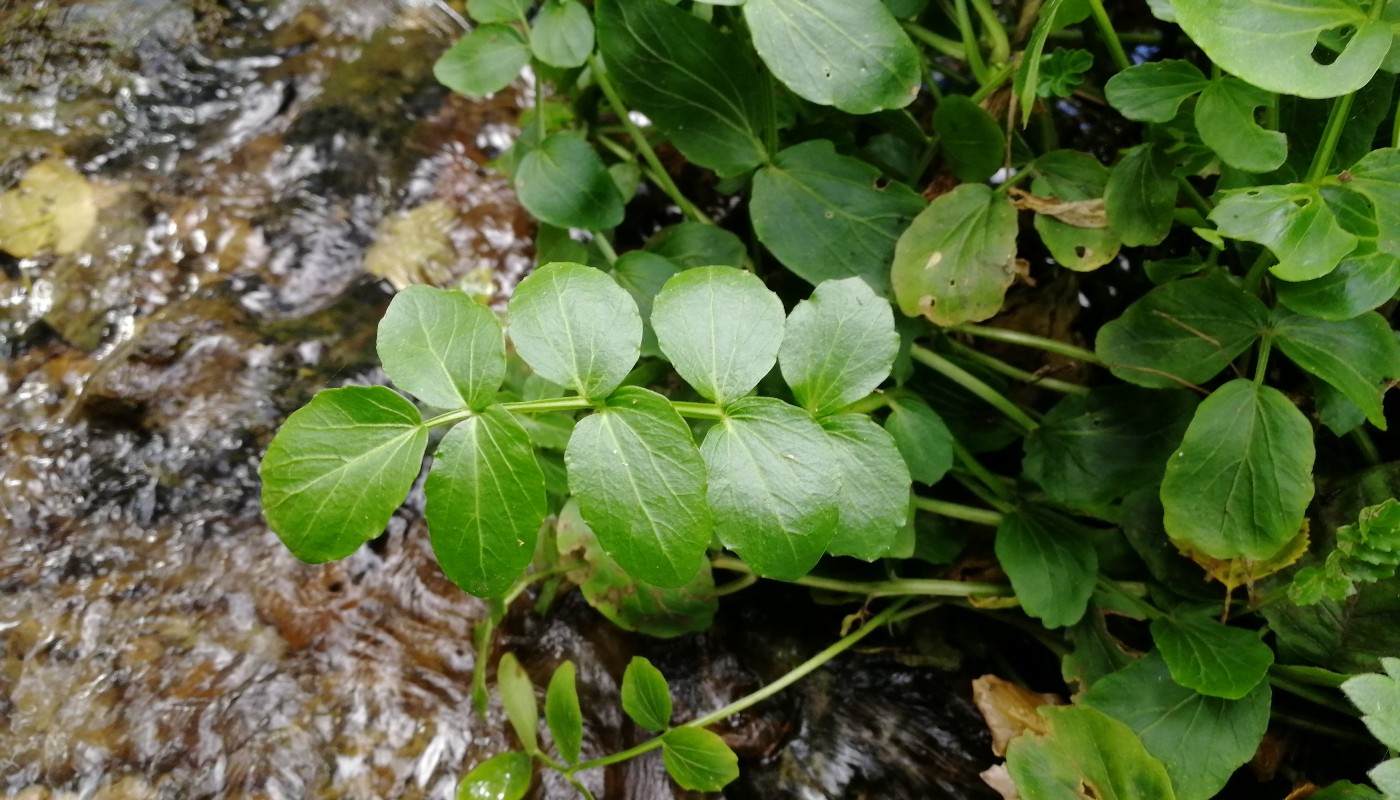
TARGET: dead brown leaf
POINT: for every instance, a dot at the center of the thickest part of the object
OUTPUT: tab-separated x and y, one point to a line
1079	213
1009	710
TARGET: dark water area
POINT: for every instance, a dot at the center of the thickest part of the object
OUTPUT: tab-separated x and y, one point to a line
242	186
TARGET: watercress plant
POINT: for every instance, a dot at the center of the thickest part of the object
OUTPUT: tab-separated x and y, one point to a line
1193	510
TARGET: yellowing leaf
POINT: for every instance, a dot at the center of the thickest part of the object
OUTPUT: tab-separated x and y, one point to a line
52	210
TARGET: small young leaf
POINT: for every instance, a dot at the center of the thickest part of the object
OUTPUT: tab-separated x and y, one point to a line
695	244
772	490
956	261
643	275
688	78
627	602
518	698
562	712
874	502
721	328
576	327
500	777
850	54
1271	44
1367	551
1242	478
1092	449
1140	196
1225	120
1200	740
443	347
921	436
338	469
1084	747
1213	659
698	760
1062	71
1356	356
562	34
645	695
484	61
1293	221
1183	332
1154	92
838	346
563	182
971	139
485	502
1051	562
485	11
827	216
640	482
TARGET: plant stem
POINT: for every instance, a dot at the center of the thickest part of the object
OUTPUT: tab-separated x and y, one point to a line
1197	199
796	674
1112	587
1254	279
942	44
974	385
895	587
992	83
997	365
970	43
955	511
1000	45
1315	676
994	484
1308	693
1323	728
606	247
872	402
1028	340
1261	366
1105	25
697	410
1363	442
643	146
1331	135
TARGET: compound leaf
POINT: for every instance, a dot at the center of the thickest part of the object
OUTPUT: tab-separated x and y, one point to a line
564	183
838	346
874	500
576	327
443	347
646	697
698	760
338	468
484	61
1211	658
1051	562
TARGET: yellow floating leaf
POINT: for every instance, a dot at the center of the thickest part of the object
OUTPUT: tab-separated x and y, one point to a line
52	210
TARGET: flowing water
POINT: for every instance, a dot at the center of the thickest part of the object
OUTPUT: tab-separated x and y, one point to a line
244	166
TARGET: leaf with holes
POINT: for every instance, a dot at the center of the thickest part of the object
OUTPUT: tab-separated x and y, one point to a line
1069	176
1226	122
1292	221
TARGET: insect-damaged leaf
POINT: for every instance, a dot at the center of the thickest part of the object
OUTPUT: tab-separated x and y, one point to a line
956	261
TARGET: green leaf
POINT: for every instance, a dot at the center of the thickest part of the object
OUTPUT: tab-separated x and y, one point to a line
1270	43
640	482
1200	740
1378	698
1211	658
1096	653
645	696
484	61
643	274
956	261
1027	79
874	500
1242	478
1154	92
1345	790
1366	551
850	54
562	712
1085	749
772	490
971	139
338	468
1226	122
1183	332
562	34
721	328
627	602
1293	221
827	216
838	346
1051	562
696	244
563	182
443	347
1141	196
1365	279
1377	178
576	327
1093	449
500	777
485	504
498	10
698	760
1350	635
921	436
518	698
1356	356
689	79
1062	71
1071	176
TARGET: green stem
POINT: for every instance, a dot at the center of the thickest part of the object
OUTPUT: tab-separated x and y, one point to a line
1363	442
1113	588
955	511
1314	676
1197	199
1105	26
1028	340
994	484
1254	279
1310	694
868	404
524	582
697	410
1395	128
605	247
549	404
798	673
895	587
993	82
974	385
1000	45
643	146
1314	726
942	44
1331	135
970	43
1261	366
999	366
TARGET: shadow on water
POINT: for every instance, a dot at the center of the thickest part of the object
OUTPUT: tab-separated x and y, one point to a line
247	162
